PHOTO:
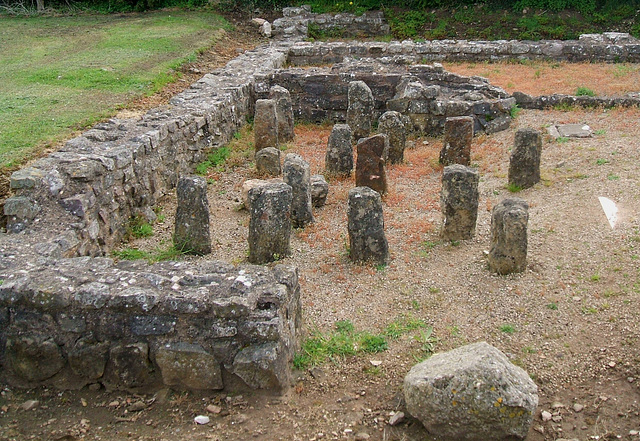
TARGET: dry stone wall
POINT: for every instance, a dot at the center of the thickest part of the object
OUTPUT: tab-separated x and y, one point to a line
608	47
130	325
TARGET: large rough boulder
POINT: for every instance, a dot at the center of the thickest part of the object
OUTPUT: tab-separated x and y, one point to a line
471	393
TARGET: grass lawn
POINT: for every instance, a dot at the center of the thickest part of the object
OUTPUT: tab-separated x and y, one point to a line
59	74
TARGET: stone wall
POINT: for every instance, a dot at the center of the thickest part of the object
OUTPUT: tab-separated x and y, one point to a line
425	94
134	326
608	47
296	21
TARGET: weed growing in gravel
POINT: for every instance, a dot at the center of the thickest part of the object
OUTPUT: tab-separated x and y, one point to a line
584	91
595	278
158	255
342	342
508	329
214	160
553	306
515	111
427	344
513	188
613	177
562	139
403	325
602	161
138	227
599	132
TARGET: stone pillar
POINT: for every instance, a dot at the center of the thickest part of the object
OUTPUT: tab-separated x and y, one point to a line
265	125
284	113
524	166
459	202
296	172
339	157
270	222
390	123
319	190
360	110
370	171
191	233
458	134
509	221
268	161
367	241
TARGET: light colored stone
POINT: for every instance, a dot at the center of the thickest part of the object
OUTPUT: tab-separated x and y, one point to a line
471	393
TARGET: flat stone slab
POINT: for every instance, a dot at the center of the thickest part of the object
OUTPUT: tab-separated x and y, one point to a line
573	131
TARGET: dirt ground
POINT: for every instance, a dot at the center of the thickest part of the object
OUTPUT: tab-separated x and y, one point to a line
570	320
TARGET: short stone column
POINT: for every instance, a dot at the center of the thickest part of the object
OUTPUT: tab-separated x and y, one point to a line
191	233
524	166
367	241
458	135
284	113
297	173
319	190
370	171
268	161
265	125
270	222
339	158
459	202
508	253
390	123
360	110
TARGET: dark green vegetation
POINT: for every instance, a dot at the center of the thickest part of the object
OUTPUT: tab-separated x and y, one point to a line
58	74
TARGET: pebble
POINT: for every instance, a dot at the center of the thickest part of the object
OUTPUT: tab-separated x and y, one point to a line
212	408
137	406
633	432
546	416
631	379
29	404
201	419
83	402
115	403
376	362
557	405
577	407
362	436
556	418
396	419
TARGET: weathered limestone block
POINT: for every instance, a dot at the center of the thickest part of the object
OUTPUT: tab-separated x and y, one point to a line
319	190
189	366
459	202
270	222
524	165
88	358
33	358
284	113
129	367
508	253
20	211
192	233
339	157
390	123
268	161
265	125
472	393
370	171
254	183
458	135
367	241
360	110
297	173
262	367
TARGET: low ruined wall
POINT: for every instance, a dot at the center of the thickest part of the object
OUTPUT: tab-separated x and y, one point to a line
321	94
75	322
608	47
296	21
